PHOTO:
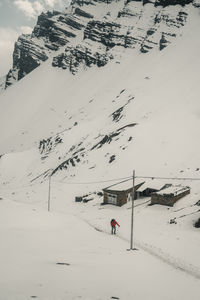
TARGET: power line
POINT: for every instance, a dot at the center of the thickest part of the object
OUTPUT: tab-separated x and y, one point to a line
20	187
91	182
94	182
124	179
167	178
129	178
118	183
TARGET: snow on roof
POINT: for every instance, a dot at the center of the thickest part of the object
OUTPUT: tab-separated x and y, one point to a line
122	186
174	190
151	184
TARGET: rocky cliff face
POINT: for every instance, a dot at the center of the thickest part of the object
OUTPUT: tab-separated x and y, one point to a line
90	31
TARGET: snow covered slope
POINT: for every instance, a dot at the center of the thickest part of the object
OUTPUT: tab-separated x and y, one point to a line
2	83
139	111
59	256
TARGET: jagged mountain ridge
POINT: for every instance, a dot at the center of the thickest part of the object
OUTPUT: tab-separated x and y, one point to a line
89	33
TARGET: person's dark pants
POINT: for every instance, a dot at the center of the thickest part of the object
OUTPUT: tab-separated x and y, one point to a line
113	230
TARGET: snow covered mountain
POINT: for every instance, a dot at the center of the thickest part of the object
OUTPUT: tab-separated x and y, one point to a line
104	104
90	32
125	38
106	99
127	103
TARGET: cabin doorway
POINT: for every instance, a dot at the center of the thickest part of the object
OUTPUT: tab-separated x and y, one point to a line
112	199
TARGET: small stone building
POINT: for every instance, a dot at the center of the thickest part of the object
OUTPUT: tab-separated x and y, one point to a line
168	196
120	193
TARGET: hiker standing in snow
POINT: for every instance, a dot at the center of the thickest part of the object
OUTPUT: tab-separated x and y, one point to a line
113	224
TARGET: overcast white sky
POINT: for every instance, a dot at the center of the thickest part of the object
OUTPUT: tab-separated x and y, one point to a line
16	17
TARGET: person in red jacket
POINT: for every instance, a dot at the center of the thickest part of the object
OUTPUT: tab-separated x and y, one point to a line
113	224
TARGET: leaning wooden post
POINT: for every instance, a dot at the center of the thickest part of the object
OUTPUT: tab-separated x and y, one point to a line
132	210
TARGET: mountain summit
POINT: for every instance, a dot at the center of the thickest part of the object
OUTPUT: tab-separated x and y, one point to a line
92	32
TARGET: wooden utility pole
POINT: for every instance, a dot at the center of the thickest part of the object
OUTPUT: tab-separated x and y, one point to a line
132	211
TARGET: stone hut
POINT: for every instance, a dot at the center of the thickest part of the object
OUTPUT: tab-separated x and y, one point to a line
168	196
120	193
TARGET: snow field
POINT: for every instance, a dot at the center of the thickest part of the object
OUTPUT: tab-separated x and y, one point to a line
35	241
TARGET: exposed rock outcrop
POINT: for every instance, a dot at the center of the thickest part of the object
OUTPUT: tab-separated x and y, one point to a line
74	57
52	31
27	56
88	37
165	3
46	146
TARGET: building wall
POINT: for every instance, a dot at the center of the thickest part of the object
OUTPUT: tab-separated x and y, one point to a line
168	200
121	196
